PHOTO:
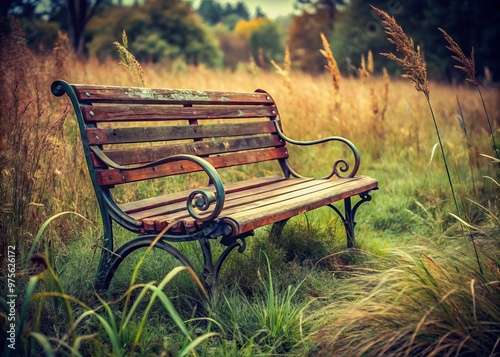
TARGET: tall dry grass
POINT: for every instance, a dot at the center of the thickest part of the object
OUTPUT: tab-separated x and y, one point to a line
30	135
467	65
427	304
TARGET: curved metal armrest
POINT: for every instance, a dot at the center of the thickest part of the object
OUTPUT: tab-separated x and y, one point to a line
199	200
339	166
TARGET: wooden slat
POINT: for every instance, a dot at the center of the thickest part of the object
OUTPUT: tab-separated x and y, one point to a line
114	177
302	196
199	148
100	136
234	198
113	94
244	200
154	113
270	211
153	202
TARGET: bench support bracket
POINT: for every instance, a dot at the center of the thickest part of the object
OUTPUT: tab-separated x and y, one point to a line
348	218
210	269
110	260
276	230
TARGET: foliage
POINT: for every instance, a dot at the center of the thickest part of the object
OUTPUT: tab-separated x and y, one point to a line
245	28
357	30
158	30
305	42
212	12
266	40
263	36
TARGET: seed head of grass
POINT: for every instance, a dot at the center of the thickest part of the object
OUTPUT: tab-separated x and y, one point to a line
467	64
332	66
364	74
128	59
370	65
285	71
412	62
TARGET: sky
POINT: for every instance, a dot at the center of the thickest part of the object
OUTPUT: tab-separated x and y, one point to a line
272	8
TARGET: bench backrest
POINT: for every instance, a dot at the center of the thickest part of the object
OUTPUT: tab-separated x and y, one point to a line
140	125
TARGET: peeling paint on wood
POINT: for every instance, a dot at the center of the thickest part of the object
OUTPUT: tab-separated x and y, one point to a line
180	95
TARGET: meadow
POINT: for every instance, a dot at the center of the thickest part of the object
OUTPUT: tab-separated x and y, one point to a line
424	279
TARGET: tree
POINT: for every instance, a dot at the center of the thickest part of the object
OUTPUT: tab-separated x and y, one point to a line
471	24
304	38
259	13
158	30
79	13
18	8
263	35
72	15
267	40
242	11
327	6
210	12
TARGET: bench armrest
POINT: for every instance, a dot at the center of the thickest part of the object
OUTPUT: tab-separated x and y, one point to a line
198	201
341	167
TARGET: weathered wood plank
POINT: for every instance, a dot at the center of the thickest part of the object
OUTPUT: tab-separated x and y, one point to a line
100	136
127	113
153	202
269	212
234	198
139	95
199	148
269	207
114	177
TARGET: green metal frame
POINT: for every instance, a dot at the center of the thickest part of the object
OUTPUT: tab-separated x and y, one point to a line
198	203
340	168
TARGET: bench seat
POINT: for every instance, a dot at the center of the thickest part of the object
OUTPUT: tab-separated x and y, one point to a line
250	204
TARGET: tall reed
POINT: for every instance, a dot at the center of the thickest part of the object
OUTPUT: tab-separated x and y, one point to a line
333	68
414	68
467	65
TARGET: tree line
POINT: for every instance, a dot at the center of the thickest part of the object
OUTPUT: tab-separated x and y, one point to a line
217	34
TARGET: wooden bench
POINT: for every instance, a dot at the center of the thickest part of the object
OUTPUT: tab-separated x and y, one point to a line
134	134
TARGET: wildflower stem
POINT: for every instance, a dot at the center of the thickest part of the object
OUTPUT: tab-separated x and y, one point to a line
451	184
469	145
489	123
444	157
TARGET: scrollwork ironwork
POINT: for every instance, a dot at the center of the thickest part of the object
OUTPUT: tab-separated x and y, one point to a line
339	167
199	201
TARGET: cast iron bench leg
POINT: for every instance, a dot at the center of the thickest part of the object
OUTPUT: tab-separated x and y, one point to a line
348	218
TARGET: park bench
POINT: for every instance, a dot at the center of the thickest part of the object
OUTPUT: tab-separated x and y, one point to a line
130	134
